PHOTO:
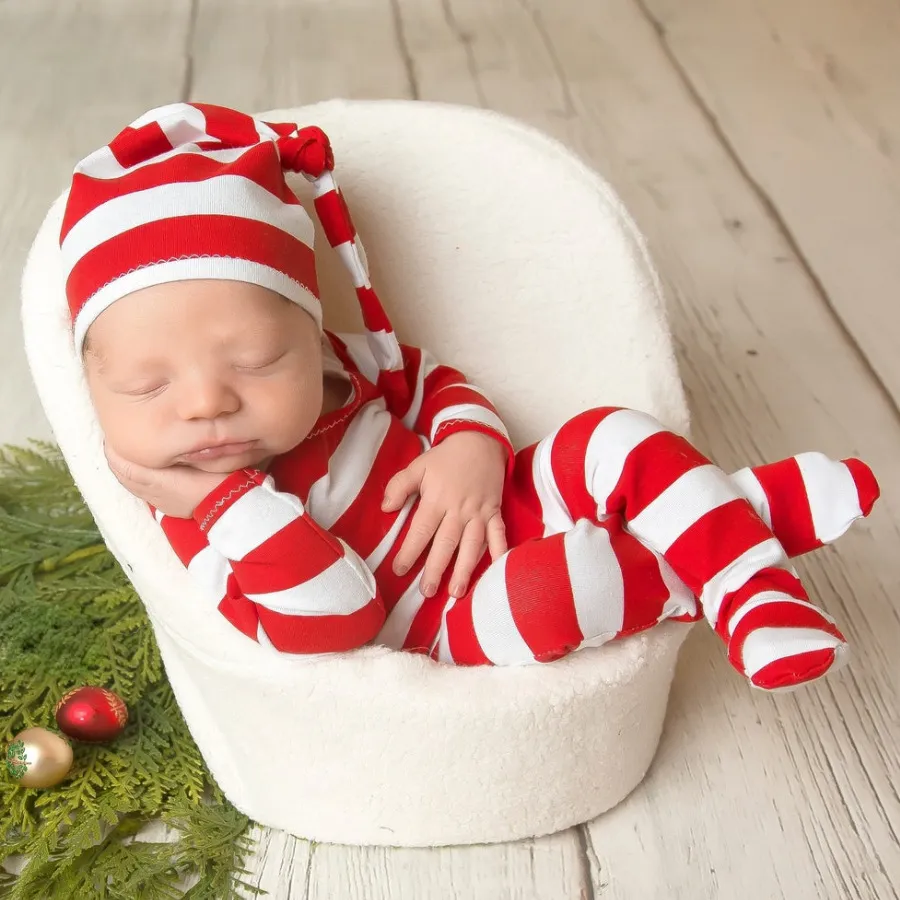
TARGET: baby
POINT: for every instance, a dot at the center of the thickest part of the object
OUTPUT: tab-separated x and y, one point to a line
333	490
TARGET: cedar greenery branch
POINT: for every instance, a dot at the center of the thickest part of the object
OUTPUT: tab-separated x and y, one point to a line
68	616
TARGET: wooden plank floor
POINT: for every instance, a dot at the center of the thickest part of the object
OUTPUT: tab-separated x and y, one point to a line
757	144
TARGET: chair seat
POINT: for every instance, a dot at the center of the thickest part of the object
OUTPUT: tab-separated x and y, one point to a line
503	254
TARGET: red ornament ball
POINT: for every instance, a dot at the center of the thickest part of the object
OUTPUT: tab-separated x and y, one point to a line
91	714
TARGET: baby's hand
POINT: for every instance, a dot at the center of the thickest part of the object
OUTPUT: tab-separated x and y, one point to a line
175	491
461	485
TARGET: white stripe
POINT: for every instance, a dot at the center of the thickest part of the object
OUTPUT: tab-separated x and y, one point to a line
210	570
385	350
427	365
377	556
181	123
323	184
738	572
680	602
609	447
350	466
244	198
252	519
216	267
159	515
336	591
354	264
766	597
690	497
468	412
361	354
832	494
444	653
396	628
554	512
766	645
747	485
103	165
492	619
598	588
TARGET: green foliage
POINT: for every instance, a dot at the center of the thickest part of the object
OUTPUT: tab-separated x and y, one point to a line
68	616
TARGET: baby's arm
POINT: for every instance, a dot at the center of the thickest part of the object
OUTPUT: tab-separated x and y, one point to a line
283	579
443	401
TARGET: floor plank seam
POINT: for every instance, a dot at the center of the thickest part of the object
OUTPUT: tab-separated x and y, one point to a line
466	40
588	858
768	204
187	85
403	47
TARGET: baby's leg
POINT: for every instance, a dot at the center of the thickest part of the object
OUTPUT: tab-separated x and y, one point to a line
808	500
552	595
609	461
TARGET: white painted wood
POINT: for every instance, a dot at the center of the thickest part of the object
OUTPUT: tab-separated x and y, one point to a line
546	869
807	92
750	796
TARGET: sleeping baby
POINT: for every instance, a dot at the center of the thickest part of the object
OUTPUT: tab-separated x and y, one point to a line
332	490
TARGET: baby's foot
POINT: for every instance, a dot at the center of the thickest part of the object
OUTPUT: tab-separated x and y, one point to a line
776	637
809	500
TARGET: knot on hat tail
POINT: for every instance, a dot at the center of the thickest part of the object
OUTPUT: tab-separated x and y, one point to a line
307	153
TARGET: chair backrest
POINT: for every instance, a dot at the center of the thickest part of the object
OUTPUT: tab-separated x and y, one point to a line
490	244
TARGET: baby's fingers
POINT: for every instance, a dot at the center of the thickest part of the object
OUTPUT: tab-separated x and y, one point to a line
471	549
496	537
442	549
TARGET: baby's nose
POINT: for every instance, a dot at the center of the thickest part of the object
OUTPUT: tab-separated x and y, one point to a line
208	400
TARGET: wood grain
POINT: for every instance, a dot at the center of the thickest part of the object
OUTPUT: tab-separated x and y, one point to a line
806	95
781	313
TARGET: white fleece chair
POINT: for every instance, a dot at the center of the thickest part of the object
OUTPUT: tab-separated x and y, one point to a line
496	249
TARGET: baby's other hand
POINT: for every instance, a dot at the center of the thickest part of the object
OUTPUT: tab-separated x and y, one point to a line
460	482
175	491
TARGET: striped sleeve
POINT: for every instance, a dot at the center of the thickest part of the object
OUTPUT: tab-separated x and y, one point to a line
444	403
283	579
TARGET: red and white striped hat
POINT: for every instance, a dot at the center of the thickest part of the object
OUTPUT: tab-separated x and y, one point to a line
192	191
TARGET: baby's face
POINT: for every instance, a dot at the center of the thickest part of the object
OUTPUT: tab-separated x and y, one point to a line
179	368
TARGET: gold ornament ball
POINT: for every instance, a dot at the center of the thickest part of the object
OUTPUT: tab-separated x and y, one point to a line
38	758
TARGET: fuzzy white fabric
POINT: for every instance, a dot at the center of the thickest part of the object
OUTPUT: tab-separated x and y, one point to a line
509	258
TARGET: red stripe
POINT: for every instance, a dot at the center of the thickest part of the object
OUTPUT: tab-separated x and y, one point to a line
363	523
714	541
278	564
184	536
768	579
232	128
392	586
396	391
211	508
283	129
132	146
567	462
335	218
867	488
645	592
464	646
652	467
778	614
186	236
522	513
426	623
789	508
258	164
238	610
374	316
540	598
322	634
